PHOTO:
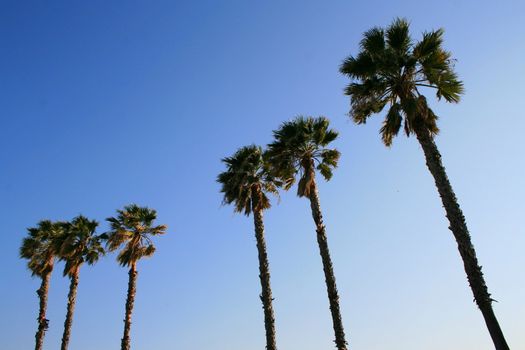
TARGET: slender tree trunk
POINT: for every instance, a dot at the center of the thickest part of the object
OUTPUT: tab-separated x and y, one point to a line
43	322
126	345
458	227
71	300
331	287
264	275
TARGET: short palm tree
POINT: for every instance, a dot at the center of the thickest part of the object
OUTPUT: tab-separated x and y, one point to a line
132	228
299	149
391	71
78	245
245	184
39	248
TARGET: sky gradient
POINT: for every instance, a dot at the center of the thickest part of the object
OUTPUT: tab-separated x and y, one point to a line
109	103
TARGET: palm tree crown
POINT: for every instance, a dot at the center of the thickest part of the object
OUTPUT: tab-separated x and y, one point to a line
247	180
391	69
132	227
39	248
245	184
300	146
79	244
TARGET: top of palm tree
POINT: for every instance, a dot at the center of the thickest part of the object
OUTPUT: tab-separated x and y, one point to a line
39	248
79	244
391	70
247	180
299	146
132	228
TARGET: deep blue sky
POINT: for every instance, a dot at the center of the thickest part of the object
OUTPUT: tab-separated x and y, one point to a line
105	103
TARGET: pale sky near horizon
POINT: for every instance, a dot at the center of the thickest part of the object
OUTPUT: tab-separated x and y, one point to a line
109	103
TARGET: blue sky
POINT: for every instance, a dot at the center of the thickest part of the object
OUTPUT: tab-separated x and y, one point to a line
109	103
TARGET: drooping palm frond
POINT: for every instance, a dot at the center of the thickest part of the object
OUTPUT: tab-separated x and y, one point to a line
391	124
247	181
79	244
299	148
391	69
39	247
132	227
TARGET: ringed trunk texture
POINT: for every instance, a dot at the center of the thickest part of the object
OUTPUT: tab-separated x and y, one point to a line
71	300
43	322
459	229
264	275
132	290
331	286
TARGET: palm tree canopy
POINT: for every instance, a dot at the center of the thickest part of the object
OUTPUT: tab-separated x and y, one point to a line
79	244
39	248
247	176
299	145
132	228
391	70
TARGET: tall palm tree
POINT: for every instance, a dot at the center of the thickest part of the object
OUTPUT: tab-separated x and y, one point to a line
391	71
299	149
39	249
78	245
132	228
245	183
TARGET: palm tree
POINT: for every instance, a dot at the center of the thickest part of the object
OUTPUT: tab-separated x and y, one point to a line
78	245
391	71
132	228
245	183
39	249
299	149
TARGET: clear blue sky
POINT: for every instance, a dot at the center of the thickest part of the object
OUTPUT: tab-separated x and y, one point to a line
105	103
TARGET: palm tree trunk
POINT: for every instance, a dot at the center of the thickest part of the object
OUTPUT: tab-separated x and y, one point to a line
458	227
331	287
43	322
71	300
125	345
264	275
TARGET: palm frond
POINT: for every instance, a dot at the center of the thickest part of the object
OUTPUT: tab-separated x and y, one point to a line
397	36
391	125
373	42
131	229
449	87
430	43
360	67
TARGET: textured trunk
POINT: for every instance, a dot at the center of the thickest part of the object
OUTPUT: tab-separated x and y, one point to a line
125	345
331	286
458	227
71	299
264	275
43	322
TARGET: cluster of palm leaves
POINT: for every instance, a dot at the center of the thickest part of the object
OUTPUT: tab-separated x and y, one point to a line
389	72
75	243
